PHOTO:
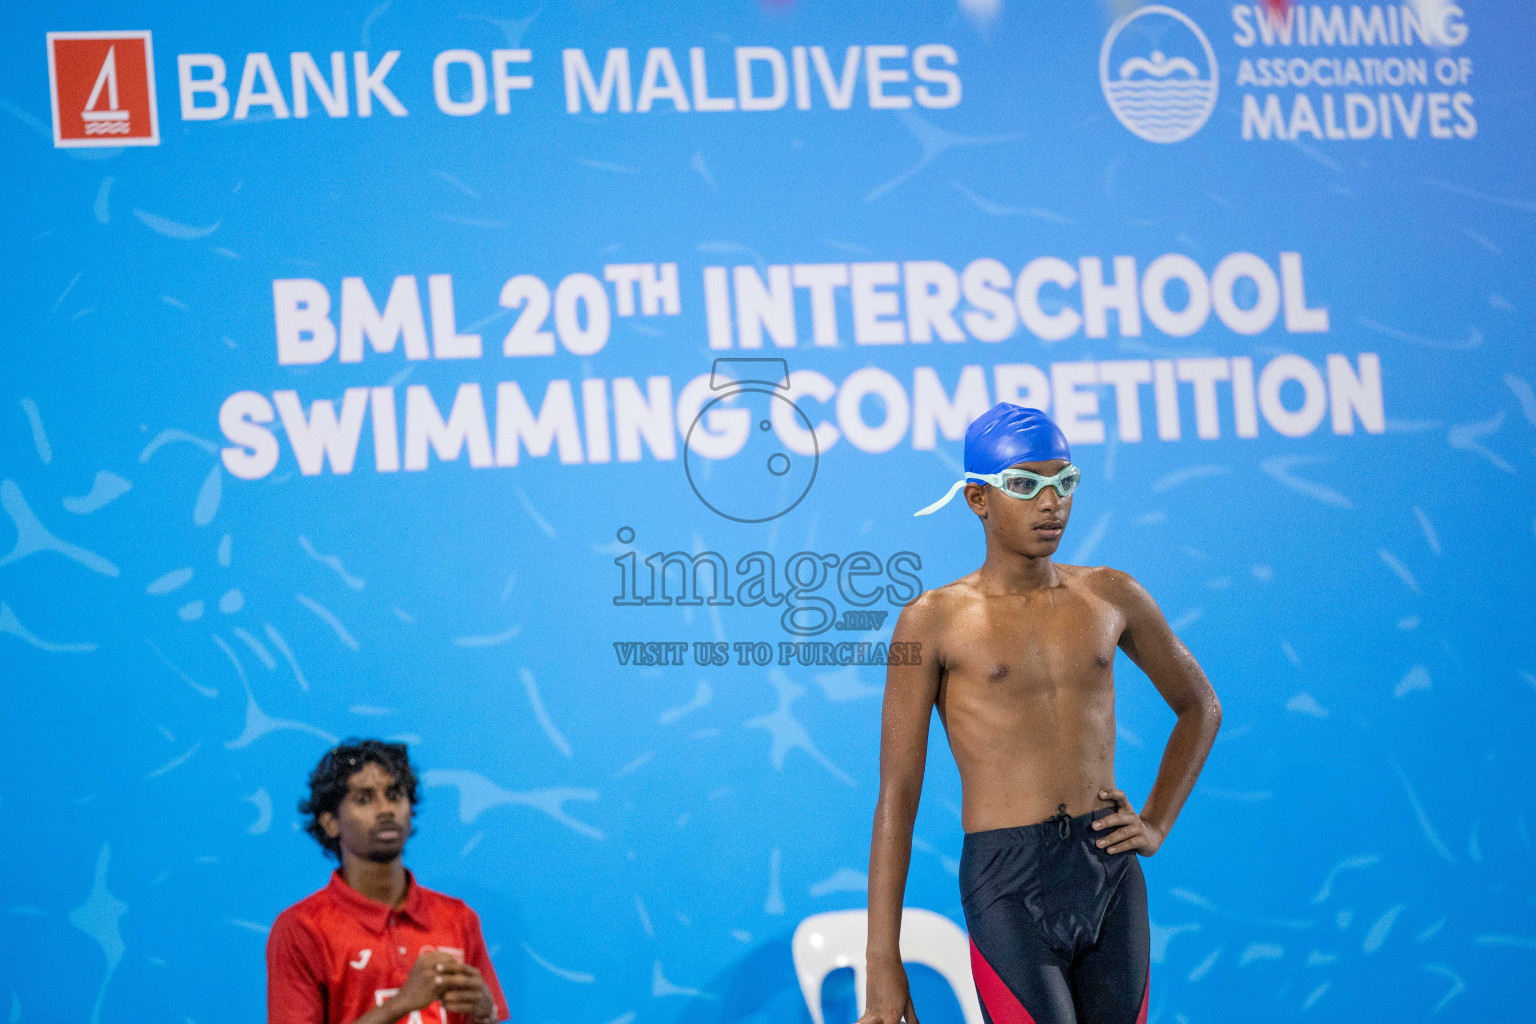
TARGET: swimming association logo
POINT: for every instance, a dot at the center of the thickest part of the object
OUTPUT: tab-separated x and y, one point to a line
1158	72
102	85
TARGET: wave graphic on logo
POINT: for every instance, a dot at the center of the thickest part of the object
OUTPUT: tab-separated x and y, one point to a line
1159	98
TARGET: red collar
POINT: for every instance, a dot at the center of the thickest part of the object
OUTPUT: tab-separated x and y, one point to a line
374	915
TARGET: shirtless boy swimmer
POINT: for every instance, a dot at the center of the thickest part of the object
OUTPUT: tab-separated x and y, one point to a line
1018	657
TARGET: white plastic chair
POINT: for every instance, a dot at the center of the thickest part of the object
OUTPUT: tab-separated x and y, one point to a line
825	942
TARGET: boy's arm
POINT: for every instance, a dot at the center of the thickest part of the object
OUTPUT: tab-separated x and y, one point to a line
488	1003
910	692
295	991
1151	644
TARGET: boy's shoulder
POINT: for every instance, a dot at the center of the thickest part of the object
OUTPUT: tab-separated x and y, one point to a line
933	607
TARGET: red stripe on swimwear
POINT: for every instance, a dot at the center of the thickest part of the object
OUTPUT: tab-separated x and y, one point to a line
1002	1005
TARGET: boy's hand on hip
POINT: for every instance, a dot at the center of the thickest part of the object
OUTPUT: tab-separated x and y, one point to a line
1130	831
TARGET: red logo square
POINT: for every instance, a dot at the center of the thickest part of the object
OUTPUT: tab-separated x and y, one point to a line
103	89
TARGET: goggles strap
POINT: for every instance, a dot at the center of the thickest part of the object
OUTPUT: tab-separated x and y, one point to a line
968	478
946	499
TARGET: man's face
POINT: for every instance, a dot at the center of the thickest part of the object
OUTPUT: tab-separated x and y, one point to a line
1029	526
374	818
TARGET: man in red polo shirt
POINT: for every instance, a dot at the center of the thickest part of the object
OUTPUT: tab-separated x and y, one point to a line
373	946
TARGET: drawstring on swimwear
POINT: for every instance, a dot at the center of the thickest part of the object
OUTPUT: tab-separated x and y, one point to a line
1063	821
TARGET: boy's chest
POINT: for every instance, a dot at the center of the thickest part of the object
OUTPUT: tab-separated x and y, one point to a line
1027	643
369	967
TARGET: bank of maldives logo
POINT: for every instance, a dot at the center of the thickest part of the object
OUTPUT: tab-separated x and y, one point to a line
103	89
1159	74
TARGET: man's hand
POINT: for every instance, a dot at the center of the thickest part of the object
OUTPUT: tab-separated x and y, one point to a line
887	998
1132	834
430	976
467	993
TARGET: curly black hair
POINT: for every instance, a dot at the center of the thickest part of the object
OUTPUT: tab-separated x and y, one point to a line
328	782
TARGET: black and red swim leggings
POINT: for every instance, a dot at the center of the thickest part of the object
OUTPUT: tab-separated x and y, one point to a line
1059	930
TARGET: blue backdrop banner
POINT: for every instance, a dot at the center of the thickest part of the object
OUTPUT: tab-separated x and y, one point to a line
551	386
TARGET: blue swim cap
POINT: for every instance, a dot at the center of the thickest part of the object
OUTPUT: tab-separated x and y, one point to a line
1008	434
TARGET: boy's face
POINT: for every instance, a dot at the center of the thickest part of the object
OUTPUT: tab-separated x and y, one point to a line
1029	526
374	819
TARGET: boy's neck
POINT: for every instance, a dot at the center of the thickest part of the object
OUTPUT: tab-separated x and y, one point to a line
1012	573
383	883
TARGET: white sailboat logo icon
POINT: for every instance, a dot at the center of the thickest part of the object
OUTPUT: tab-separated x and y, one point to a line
101	87
112	120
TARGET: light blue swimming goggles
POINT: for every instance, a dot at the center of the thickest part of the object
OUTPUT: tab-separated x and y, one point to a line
1016	483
